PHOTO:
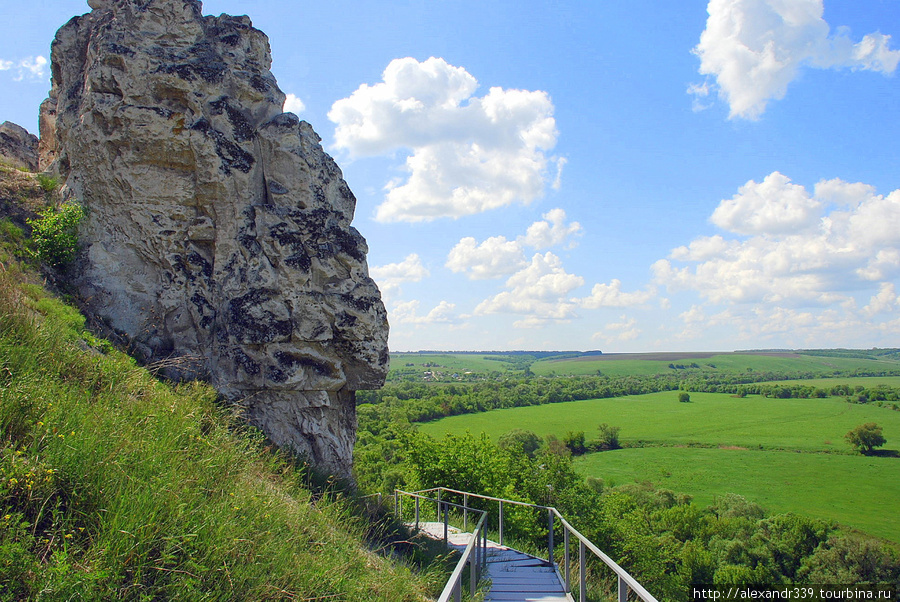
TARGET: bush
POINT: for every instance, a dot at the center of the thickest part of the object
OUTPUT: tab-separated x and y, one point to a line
575	442
55	234
609	437
520	440
684	397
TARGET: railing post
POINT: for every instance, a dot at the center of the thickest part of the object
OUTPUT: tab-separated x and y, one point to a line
476	535
473	572
417	514
501	524
438	507
446	521
623	590
457	591
582	577
566	559
484	541
396	501
466	512
550	536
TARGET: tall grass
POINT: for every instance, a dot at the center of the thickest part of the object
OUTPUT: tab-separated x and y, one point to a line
114	485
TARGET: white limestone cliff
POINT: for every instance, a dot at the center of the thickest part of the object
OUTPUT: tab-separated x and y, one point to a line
218	238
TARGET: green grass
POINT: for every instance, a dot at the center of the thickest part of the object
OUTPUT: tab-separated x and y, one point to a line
857	491
115	485
710	419
626	364
780	460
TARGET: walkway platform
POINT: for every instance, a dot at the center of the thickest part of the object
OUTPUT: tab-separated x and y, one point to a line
515	576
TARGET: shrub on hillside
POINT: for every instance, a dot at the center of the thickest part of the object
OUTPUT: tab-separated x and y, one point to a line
55	234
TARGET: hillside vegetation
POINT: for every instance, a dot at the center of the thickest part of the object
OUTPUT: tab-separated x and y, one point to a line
114	485
735	468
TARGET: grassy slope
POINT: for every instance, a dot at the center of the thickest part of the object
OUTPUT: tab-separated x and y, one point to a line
114	485
820	483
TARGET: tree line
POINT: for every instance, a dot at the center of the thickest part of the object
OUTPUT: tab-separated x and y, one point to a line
422	402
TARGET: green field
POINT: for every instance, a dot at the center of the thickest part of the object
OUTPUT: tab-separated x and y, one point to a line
857	491
723	363
636	364
446	362
862	381
771	451
711	419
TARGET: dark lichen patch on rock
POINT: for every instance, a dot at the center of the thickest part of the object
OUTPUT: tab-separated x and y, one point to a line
259	317
232	155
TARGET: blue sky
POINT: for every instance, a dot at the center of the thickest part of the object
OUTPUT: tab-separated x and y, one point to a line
624	176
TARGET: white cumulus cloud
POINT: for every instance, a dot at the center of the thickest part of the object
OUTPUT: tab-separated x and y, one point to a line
539	292
793	248
389	277
755	48
467	154
293	104
885	301
33	68
407	312
612	295
551	230
619	332
493	258
498	256
774	206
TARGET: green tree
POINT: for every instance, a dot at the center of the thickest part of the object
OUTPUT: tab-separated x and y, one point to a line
520	440
684	397
865	437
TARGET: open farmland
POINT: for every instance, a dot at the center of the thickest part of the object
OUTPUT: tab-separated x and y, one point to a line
854	381
853	490
772	451
716	363
712	419
456	366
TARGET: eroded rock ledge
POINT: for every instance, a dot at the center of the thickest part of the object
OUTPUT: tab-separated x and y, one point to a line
218	236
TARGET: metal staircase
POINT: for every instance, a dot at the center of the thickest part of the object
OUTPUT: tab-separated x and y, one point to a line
513	575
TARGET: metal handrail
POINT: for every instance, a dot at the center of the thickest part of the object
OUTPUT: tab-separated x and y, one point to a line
475	553
626	582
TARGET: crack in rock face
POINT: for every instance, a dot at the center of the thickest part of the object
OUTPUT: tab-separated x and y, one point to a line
218	235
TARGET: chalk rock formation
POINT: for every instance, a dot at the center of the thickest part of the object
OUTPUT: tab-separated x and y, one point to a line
218	239
17	147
